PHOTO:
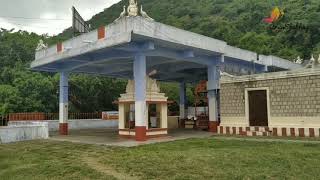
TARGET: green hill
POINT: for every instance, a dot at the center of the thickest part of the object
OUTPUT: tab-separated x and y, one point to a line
238	22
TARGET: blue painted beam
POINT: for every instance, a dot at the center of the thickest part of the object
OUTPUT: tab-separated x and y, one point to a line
122	75
233	67
138	46
179	77
164	61
187	56
177	66
101	58
112	69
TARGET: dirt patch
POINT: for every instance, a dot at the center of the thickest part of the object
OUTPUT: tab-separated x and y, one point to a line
102	168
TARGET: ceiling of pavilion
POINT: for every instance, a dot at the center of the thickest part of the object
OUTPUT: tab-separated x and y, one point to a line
163	69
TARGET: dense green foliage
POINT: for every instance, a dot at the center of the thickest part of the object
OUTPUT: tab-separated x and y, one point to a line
239	22
21	90
24	91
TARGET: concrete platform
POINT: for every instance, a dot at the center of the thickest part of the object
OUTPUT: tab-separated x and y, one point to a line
110	137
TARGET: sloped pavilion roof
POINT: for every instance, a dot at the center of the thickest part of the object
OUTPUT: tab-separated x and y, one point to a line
174	54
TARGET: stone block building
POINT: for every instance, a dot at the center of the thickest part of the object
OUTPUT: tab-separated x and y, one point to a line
279	104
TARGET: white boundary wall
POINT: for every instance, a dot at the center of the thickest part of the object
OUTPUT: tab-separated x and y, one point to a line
24	132
75	124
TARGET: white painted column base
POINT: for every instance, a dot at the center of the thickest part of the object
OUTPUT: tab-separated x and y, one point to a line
63	112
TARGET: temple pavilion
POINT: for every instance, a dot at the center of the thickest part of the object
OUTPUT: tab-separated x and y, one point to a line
137	48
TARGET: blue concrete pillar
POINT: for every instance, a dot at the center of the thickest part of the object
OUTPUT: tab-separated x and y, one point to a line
183	98
212	87
139	71
63	103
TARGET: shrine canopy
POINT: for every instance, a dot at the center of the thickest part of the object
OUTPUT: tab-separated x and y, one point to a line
172	54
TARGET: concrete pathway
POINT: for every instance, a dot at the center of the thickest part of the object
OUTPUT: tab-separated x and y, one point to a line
110	137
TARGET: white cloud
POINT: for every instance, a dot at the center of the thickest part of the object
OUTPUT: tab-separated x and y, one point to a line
46	16
7	25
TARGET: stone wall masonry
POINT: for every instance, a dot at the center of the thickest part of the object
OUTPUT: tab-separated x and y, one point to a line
232	100
290	96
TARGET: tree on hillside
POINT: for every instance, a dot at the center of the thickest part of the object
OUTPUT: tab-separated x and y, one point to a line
9	100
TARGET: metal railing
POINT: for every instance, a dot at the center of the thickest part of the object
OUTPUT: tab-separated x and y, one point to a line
95	115
51	116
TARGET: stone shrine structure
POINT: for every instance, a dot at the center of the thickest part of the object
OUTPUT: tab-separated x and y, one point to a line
127	110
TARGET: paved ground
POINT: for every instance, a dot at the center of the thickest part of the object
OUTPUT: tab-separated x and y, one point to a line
110	137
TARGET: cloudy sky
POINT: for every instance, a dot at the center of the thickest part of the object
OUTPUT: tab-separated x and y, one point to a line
46	16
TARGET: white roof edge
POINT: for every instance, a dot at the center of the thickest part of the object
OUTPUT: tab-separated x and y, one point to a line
301	72
271	60
238	53
108	42
278	62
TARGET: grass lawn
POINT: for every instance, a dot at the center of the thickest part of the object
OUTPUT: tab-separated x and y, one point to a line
187	159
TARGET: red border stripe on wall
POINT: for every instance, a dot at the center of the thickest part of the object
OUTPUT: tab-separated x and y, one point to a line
227	130
101	32
301	132
234	129
275	132
221	130
284	132
292	132
59	47
272	131
311	132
